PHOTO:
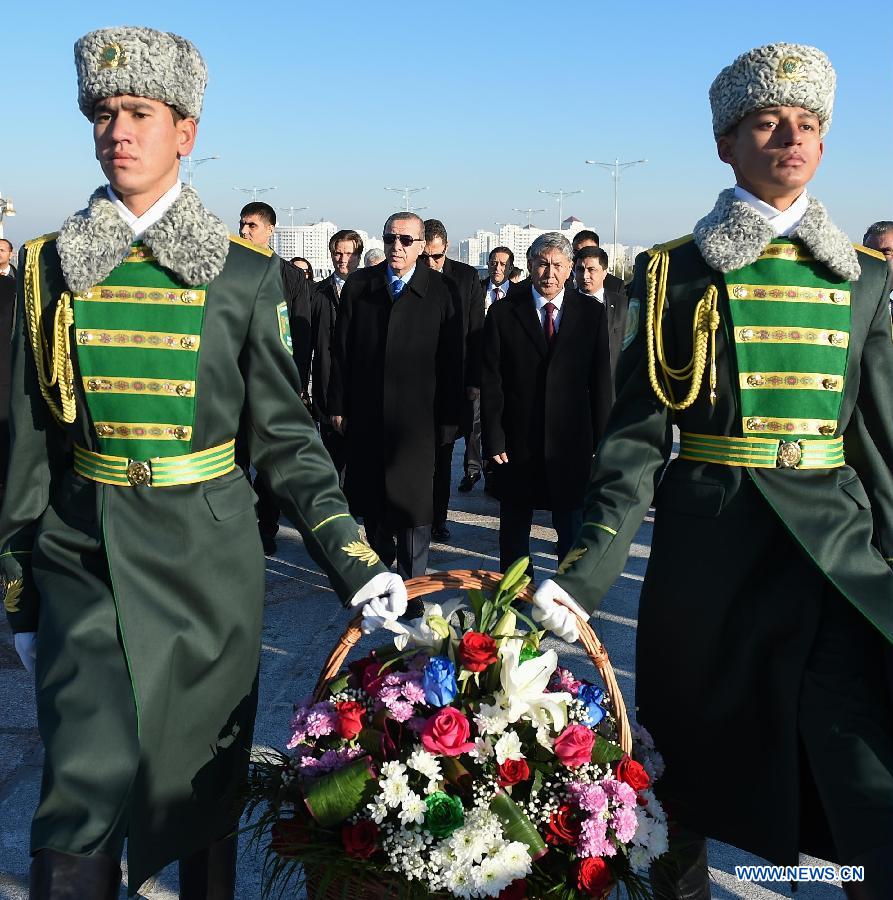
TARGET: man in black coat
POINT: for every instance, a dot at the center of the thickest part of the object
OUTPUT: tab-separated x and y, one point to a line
587	238
7	313
545	398
468	287
396	390
590	278
346	249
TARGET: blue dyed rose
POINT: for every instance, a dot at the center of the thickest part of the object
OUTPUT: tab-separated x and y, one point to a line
592	696
439	681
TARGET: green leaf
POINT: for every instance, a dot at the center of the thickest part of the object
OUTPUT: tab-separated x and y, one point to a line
476	599
334	797
516	825
604	752
537	783
338	685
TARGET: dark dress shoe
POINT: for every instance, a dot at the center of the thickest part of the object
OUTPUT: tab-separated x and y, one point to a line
468	482
210	874
63	876
269	544
440	532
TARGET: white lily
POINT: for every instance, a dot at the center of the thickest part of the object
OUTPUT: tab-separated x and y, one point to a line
429	631
524	684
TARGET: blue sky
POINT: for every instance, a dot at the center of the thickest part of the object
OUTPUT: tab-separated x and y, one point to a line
484	102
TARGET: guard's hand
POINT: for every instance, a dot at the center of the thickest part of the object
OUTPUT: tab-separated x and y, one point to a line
558	617
501	458
26	647
339	423
382	599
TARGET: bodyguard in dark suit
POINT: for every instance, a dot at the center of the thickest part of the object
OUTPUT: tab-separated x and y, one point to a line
396	389
545	398
7	269
590	274
467	286
587	238
7	312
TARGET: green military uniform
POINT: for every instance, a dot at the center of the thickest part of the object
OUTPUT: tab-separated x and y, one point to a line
764	520
128	535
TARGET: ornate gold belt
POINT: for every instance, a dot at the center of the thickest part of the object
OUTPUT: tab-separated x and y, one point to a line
762	453
163	471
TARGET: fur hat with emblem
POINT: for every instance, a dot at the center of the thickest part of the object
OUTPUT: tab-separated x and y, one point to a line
774	75
142	62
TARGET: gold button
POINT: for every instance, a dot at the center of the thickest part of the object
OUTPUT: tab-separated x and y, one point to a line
181	433
755	380
105	430
187	296
837	296
183	389
89	295
836	338
746	334
740	291
84	337
187	342
138	473
829	384
754	424
827	429
93	384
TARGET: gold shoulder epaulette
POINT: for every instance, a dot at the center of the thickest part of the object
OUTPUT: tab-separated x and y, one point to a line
264	251
870	251
43	239
670	245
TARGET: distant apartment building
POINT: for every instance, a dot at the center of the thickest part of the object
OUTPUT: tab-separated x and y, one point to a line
312	242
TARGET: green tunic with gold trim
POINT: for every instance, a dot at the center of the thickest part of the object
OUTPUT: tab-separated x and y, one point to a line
764	505
129	540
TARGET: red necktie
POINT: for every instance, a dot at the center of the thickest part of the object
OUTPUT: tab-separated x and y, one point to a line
549	323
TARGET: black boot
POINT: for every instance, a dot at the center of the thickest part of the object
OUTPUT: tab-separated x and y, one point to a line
682	873
878	883
210	874
63	876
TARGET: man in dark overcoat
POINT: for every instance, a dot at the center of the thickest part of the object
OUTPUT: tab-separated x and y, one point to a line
133	575
468	288
767	606
545	397
396	391
7	313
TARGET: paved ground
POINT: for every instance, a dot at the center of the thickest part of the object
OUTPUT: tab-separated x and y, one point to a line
302	623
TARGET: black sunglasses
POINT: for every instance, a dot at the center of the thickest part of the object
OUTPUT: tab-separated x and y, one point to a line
437	257
405	239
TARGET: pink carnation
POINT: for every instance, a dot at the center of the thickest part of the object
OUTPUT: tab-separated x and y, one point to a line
594	840
624	823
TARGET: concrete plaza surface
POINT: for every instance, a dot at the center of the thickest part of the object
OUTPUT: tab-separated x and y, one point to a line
302	623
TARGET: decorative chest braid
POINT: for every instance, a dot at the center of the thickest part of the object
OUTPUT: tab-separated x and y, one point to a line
791	325
140	394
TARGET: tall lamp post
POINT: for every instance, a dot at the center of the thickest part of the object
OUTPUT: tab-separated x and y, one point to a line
6	209
254	191
615	168
407	193
530	212
559	196
291	210
192	164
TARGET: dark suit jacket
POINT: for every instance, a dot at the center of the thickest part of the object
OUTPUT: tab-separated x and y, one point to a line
545	408
472	297
323	315
614	284
297	296
616	306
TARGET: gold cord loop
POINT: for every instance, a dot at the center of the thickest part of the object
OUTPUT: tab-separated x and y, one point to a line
54	367
705	322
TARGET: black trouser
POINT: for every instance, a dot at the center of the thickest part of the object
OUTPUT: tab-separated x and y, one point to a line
514	532
409	546
267	507
443	465
336	447
473	459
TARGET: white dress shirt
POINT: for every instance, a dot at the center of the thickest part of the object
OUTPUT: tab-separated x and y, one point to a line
490	296
141	224
338	281
541	302
784	222
7	272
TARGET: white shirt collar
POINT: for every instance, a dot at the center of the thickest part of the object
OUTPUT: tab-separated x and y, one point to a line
339	281
784	222
494	287
141	224
542	301
7	271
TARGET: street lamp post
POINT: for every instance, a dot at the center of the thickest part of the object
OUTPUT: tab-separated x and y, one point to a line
254	191
6	209
407	193
530	212
615	168
191	165
291	210
559	196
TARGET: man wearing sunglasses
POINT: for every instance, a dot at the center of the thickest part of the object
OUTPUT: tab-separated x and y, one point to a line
468	286
396	391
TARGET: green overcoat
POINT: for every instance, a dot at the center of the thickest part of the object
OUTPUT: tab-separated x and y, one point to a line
725	624
148	601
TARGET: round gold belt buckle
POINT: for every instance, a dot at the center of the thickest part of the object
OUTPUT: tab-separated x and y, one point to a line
789	454
139	473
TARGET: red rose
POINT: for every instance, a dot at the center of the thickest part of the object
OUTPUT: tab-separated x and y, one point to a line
286	834
564	826
594	877
573	746
350	718
512	771
446	733
477	651
632	773
517	890
360	839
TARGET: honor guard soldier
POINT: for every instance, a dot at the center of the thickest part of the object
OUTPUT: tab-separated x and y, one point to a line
134	575
767	607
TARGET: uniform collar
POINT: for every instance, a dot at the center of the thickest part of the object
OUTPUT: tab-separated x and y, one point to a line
140	224
783	221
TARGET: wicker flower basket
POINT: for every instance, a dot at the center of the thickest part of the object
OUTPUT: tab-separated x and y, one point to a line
460	580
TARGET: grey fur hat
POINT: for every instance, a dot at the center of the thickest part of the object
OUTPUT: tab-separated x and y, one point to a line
143	62
774	75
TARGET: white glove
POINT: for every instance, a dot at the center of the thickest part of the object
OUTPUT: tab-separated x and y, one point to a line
26	647
382	599
559	618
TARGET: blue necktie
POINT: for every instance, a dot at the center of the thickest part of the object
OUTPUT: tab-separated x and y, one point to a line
397	287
